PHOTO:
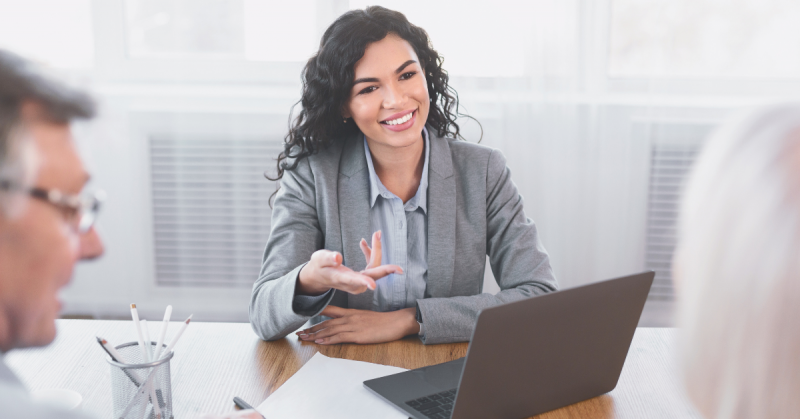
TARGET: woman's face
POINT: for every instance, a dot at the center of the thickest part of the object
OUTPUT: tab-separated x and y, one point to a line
389	100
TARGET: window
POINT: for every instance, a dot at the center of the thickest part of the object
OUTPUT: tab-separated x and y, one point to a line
705	38
253	30
55	32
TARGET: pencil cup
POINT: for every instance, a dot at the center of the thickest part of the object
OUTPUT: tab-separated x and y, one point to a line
136	386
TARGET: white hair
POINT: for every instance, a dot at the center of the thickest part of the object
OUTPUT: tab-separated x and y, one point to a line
22	81
737	269
19	165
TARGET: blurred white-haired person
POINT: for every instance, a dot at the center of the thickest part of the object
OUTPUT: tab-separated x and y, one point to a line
737	267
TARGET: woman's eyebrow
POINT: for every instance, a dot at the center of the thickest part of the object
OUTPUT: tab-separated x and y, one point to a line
375	80
366	80
405	64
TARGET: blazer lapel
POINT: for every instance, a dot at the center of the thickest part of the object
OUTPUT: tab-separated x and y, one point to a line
354	213
441	219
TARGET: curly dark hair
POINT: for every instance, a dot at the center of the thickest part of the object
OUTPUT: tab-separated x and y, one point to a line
328	79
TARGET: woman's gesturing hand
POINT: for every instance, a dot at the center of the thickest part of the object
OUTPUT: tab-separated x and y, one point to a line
325	271
361	326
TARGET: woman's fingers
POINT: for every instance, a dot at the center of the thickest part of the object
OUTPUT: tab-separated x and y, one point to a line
376	254
333	311
366	250
322	326
343	337
328	331
326	258
381	271
352	282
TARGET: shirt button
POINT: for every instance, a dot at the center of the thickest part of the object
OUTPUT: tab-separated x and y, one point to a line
401	224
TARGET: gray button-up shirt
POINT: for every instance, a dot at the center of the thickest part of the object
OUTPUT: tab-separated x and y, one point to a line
404	238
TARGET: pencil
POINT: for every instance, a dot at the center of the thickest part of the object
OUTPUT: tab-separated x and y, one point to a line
150	357
178	335
115	356
145	354
164	326
135	316
147	343
150	376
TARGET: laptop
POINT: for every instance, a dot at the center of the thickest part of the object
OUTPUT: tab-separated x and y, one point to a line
529	357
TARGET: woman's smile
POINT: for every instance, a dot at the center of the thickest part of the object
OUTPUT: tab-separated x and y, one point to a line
400	121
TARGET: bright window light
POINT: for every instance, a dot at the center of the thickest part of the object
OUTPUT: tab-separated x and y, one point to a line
705	38
184	29
57	33
481	40
255	30
280	30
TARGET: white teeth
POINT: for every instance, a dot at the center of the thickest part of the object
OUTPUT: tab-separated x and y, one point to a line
400	120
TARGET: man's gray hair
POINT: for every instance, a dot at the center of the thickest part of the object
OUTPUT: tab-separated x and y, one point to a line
20	82
737	269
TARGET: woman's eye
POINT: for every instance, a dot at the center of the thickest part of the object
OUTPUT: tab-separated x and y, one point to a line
408	75
367	90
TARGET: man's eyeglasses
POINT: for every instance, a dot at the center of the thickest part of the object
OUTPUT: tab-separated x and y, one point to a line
81	210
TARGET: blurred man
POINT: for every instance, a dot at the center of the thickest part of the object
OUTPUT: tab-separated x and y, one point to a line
46	219
737	269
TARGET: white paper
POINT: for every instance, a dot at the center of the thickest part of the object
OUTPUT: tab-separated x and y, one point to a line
331	388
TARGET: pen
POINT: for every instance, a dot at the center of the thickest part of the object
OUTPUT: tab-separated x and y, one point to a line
241	404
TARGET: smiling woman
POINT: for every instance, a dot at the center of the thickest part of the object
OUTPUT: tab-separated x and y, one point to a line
373	153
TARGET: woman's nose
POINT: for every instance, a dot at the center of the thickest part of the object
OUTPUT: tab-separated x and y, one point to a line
393	96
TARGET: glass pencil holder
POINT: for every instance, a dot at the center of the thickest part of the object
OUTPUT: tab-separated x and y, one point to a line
141	389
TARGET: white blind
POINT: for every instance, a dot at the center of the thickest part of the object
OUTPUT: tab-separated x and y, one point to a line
670	164
211	213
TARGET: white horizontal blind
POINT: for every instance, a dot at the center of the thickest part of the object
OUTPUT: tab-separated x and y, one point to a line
211	213
671	160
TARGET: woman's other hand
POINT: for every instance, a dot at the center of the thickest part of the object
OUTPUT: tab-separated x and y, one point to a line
361	326
325	271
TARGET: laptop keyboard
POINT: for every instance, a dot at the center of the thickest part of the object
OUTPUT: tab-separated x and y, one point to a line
435	406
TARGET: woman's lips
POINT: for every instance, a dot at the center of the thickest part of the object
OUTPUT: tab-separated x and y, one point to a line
404	126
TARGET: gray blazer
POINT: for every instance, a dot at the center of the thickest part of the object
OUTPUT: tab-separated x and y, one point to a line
474	210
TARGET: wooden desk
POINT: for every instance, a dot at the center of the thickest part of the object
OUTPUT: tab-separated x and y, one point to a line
215	361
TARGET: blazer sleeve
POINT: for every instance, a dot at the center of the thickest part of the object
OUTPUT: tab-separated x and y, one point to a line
518	260
294	236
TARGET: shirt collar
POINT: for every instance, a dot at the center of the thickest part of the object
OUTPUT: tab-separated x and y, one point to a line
376	188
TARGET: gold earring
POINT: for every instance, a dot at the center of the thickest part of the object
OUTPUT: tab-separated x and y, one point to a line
344	120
